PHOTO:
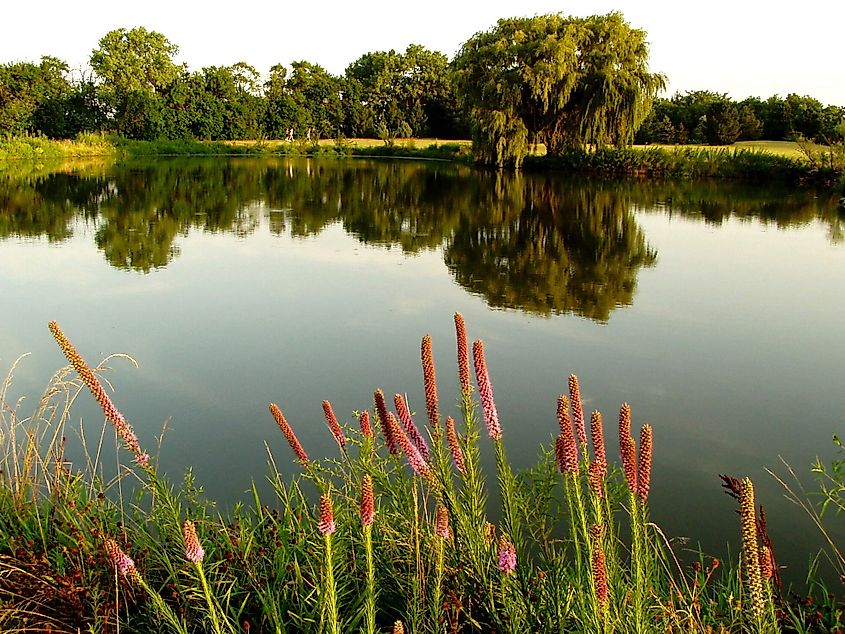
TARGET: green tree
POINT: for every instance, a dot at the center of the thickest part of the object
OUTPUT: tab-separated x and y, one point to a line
566	82
32	97
135	66
723	124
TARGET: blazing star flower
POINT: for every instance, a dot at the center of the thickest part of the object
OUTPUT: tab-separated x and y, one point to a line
367	501
410	427
326	525
334	426
507	556
120	559
455	446
429	382
441	523
463	355
289	434
193	549
485	391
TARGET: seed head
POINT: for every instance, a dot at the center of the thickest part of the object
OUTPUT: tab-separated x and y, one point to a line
566	453
599	567
750	552
398	628
596	479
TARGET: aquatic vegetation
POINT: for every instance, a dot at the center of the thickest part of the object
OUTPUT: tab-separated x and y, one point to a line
420	549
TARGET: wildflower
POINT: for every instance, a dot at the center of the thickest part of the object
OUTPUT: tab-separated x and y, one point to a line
628	451
599	566
507	555
563	413
566	454
334	426
381	410
326	524
441	523
485	391
455	446
415	459
120	559
398	628
577	411
112	414
627	447
597	435
463	355
193	549
410	427
366	427
644	466
289	434
750	552
429	382
367	501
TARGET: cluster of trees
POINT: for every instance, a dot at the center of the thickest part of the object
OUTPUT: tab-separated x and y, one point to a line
713	118
139	92
567	82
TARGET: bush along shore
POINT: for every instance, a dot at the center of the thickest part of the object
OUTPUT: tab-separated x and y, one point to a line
391	534
817	168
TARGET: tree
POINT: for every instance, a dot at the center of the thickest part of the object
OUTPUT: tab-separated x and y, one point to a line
566	82
134	66
723	125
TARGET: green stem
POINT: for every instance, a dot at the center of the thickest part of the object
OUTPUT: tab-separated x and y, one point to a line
370	599
212	608
329	588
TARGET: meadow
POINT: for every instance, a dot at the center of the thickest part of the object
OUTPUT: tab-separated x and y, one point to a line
401	530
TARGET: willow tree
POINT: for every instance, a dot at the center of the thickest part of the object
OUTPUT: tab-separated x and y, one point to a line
567	82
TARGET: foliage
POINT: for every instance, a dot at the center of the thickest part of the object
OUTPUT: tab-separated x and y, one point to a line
565	82
415	545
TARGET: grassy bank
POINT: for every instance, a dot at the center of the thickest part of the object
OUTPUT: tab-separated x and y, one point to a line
395	532
757	161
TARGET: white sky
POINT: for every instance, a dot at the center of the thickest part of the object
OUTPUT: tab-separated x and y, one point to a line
741	47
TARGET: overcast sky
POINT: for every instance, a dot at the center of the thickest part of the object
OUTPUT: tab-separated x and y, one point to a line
741	47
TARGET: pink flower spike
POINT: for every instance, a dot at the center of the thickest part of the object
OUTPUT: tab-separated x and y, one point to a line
485	391
193	549
507	556
410	427
326	524
120	559
334	426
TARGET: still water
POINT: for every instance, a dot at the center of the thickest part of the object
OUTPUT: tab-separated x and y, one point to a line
714	309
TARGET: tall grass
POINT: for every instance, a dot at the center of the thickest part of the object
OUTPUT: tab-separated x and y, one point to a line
402	534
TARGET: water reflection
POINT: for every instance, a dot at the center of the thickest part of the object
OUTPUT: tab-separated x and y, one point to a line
543	244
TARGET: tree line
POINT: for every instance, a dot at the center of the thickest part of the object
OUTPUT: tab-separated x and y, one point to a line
566	82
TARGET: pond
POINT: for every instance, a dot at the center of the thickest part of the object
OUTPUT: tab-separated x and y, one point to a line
714	309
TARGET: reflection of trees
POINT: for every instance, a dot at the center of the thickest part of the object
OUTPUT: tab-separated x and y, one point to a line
545	244
550	246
